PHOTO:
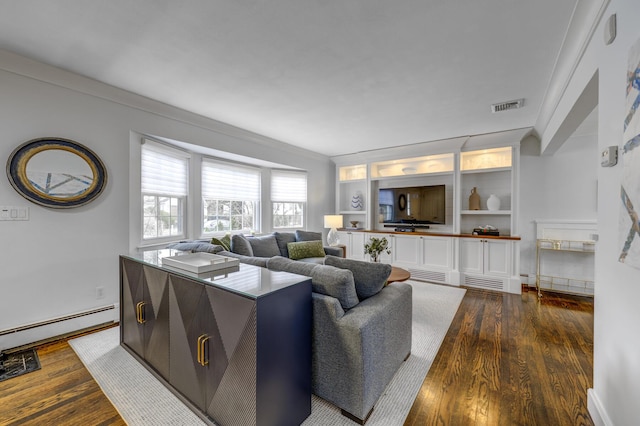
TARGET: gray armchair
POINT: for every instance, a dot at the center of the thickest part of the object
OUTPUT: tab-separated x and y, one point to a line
356	353
361	330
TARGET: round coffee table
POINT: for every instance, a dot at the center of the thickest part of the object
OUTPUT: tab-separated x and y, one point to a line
398	274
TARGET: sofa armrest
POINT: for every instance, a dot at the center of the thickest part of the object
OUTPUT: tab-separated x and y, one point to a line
333	251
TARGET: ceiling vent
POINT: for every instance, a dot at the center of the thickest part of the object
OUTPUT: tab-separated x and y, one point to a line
505	106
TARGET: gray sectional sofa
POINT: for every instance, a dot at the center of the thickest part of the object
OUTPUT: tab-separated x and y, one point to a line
361	329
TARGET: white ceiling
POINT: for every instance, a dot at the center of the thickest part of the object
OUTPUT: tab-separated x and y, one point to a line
335	77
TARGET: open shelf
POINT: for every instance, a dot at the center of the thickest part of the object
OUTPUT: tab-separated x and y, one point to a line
486	212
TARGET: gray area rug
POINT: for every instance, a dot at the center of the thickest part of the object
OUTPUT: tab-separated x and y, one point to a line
142	400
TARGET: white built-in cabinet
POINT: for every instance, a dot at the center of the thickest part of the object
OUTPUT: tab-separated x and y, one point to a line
354	242
443	253
486	263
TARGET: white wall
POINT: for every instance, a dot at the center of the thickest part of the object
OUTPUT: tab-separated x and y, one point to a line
52	263
616	381
558	187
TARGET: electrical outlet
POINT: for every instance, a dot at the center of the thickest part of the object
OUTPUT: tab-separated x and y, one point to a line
99	292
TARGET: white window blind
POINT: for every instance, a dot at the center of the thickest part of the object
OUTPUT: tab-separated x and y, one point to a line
287	186
224	181
164	170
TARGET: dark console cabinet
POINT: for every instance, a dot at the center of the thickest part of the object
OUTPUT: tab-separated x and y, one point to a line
237	346
144	314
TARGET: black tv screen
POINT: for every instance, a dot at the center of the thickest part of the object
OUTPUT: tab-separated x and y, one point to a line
414	206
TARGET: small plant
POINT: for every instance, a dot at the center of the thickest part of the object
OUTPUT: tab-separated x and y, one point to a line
375	246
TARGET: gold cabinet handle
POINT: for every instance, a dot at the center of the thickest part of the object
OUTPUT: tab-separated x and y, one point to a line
140	312
203	355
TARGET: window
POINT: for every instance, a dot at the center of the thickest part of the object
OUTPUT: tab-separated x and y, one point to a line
230	197
164	173
288	198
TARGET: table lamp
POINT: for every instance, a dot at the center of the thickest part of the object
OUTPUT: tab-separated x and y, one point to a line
333	221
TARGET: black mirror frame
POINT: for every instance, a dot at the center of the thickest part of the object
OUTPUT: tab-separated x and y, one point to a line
17	172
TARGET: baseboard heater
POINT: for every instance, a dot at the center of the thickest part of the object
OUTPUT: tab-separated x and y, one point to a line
33	328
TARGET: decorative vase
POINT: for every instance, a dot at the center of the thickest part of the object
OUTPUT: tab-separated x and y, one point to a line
356	201
474	200
493	202
354	223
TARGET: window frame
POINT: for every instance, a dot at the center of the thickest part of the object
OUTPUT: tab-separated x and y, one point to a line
294	179
184	157
235	168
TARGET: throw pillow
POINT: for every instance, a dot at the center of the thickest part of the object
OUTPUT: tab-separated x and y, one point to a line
336	283
225	242
304	249
284	238
369	277
240	245
265	246
308	236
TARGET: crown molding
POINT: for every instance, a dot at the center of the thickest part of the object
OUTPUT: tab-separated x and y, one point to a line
584	21
26	67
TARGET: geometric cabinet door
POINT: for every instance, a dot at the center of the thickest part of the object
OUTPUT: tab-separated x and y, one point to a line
213	345
145	313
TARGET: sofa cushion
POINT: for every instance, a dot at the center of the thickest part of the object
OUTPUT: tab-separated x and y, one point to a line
325	280
304	249
196	246
240	245
369	277
265	246
284	238
308	236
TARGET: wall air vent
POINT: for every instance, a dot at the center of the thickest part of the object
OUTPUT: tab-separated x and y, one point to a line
505	106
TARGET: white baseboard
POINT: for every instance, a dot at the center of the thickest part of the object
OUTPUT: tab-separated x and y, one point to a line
596	410
31	333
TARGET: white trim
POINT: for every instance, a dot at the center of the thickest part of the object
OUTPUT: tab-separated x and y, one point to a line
596	409
584	22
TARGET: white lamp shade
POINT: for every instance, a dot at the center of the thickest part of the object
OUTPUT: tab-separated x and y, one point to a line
333	221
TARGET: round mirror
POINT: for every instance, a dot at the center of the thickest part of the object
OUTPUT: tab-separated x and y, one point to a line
57	173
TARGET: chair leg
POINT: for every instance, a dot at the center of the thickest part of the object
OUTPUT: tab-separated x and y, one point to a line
355	418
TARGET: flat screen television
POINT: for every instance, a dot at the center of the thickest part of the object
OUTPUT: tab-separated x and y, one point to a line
412	206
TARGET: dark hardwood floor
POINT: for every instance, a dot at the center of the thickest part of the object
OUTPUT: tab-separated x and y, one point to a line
511	360
506	360
62	392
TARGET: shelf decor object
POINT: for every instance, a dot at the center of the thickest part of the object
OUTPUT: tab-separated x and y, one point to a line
356	201
493	202
333	221
57	173
474	200
375	247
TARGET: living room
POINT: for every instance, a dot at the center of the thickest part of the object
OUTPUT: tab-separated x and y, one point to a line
54	262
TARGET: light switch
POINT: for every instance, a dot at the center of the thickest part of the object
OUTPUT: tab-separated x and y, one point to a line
14	213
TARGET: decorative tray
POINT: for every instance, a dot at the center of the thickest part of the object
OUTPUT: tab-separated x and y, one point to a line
200	262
